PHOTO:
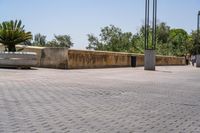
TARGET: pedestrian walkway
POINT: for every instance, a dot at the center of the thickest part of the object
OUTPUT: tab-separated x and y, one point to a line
121	100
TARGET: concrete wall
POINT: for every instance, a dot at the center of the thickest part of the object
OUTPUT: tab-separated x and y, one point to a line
54	58
18	59
46	57
97	59
2	48
50	57
169	60
140	60
37	50
101	59
79	59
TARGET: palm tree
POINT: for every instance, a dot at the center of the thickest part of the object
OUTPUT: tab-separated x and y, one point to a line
13	33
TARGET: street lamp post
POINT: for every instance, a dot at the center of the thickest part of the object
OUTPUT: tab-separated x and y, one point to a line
150	54
198	42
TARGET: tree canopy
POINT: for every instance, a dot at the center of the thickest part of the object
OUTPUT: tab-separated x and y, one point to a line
112	39
170	41
12	33
58	41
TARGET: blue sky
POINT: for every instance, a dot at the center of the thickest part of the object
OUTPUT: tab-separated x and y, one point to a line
81	17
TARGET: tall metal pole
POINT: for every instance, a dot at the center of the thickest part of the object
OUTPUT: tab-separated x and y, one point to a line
149	59
198	17
146	24
154	24
198	42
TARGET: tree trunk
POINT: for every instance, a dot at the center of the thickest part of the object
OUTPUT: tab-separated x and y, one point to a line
11	48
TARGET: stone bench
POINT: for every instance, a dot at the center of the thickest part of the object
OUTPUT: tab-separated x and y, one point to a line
18	59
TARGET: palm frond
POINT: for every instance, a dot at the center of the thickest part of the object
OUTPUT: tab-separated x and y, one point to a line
12	33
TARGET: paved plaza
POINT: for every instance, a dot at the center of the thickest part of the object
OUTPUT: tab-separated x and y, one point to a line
120	100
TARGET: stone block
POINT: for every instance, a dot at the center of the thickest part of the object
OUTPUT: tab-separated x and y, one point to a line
18	59
149	60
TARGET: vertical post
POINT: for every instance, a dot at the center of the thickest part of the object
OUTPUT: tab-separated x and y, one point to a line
146	24
150	55
198	17
154	24
198	42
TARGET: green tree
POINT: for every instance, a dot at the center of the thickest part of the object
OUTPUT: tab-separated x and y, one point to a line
61	41
163	31
193	43
111	39
94	43
175	42
13	33
178	39
161	42
39	40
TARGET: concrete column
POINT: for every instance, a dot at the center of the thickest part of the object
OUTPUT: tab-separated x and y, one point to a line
198	60
150	60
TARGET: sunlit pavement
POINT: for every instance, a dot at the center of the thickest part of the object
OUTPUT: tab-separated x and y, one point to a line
120	100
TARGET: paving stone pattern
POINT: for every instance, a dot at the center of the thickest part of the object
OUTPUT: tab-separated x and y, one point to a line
121	100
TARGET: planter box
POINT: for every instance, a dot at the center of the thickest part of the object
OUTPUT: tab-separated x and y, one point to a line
18	59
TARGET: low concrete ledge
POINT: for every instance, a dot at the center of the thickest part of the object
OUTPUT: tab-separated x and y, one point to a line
63	58
79	59
84	59
18	59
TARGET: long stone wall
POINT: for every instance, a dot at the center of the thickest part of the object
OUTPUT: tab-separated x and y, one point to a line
101	59
169	60
97	59
81	59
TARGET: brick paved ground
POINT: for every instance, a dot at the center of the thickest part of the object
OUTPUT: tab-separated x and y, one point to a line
122	100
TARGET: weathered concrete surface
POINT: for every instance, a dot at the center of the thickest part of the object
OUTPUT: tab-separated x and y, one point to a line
54	58
169	60
78	59
49	57
101	59
37	50
18	59
2	48
140	60
97	59
150	60
124	100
